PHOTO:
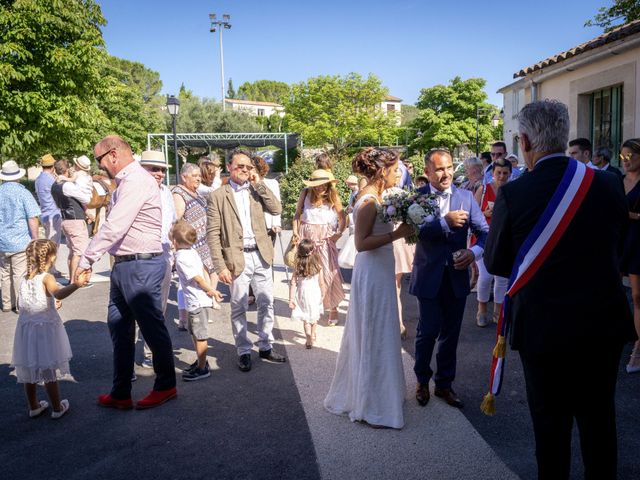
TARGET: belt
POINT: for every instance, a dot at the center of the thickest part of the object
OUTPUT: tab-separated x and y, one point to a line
135	256
252	248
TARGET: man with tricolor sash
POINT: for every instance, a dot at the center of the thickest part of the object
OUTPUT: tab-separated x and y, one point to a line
555	234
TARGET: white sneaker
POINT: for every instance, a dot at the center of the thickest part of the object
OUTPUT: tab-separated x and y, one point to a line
65	408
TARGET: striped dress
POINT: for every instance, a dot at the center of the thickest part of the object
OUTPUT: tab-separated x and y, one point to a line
195	214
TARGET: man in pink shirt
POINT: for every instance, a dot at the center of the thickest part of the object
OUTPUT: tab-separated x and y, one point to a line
131	233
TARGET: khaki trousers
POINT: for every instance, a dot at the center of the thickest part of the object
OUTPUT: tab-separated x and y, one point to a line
13	267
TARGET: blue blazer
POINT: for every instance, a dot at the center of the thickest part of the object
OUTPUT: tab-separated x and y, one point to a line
435	248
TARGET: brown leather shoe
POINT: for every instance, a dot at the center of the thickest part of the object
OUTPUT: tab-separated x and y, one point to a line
422	394
449	396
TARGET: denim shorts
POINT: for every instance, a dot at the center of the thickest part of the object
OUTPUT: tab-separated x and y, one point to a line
197	322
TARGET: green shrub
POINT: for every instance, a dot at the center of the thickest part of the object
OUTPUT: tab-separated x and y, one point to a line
278	159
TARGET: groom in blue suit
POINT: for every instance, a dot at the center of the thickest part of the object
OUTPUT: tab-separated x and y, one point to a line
440	277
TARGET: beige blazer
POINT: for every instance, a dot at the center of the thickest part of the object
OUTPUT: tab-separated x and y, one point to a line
224	230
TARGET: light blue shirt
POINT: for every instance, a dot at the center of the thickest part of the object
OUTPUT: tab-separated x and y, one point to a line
43	191
17	206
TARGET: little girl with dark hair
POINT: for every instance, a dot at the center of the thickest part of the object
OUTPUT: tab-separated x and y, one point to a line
305	296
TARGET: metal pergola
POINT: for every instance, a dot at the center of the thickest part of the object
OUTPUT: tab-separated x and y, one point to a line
226	141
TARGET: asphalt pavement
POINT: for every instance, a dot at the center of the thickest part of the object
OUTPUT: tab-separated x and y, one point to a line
270	423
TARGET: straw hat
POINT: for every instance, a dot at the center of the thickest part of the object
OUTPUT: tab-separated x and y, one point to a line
351	180
47	160
83	163
153	158
320	177
11	171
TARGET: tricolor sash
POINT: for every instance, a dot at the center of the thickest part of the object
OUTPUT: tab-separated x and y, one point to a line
537	247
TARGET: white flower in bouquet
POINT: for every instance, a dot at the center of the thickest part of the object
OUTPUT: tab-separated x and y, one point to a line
416	214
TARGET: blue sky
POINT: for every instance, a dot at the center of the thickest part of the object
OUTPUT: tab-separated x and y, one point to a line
409	44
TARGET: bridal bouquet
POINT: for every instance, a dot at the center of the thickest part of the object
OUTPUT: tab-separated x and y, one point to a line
413	208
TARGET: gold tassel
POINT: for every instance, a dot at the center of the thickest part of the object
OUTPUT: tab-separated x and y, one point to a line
500	350
488	405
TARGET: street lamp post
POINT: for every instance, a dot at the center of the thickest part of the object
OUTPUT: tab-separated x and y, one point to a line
220	25
173	106
406	137
495	120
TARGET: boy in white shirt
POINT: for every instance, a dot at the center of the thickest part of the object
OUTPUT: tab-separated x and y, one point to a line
198	295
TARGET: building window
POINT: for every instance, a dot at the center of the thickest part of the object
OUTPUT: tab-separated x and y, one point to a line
390	107
517	100
261	112
606	120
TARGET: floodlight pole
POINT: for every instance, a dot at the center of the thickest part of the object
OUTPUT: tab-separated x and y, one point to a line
220	25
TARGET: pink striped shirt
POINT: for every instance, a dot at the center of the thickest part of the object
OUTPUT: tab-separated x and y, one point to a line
134	223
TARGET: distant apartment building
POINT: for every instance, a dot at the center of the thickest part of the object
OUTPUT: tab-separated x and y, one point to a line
255	108
390	105
598	80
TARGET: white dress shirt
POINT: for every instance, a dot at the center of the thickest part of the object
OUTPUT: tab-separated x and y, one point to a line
272	220
241	196
81	188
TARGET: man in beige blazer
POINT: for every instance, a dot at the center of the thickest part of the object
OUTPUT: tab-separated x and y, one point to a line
242	252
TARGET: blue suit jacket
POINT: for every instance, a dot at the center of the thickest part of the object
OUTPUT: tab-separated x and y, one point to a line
435	247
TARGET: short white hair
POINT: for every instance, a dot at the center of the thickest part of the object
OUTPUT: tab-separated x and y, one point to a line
187	168
546	124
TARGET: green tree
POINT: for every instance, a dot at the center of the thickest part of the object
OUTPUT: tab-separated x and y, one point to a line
616	15
132	101
340	111
447	115
264	91
51	58
231	92
206	116
409	114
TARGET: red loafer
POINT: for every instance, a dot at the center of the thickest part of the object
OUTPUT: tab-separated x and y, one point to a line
107	400
157	397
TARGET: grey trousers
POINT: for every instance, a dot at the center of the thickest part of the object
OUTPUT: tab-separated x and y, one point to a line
257	273
13	267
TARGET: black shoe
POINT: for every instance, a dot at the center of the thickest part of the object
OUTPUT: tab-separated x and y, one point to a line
196	374
244	362
193	366
272	356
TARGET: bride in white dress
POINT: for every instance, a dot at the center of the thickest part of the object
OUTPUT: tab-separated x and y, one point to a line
368	383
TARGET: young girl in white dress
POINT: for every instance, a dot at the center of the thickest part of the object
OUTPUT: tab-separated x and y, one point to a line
368	384
41	350
305	295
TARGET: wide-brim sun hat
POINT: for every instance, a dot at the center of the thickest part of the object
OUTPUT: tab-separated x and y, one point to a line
11	171
83	163
320	177
153	158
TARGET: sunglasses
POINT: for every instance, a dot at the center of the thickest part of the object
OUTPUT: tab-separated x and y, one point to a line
245	167
156	169
100	157
626	157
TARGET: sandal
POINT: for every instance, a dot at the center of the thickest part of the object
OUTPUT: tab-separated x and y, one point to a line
36	412
65	408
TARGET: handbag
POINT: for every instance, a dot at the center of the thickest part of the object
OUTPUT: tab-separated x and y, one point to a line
290	253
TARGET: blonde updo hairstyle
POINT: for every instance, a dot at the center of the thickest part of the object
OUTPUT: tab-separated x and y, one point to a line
39	253
372	161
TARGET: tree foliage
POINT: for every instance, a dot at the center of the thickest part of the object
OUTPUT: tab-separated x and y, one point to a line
231	92
264	91
51	54
132	102
205	115
447	115
340	111
620	13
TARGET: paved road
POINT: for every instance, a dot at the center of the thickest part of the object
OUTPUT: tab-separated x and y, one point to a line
270	423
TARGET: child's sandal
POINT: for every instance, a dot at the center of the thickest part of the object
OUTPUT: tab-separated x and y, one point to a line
65	408
40	410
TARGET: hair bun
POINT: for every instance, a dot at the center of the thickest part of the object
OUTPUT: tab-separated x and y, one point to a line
371	160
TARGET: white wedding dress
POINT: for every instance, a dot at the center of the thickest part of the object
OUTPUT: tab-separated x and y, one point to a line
368	383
